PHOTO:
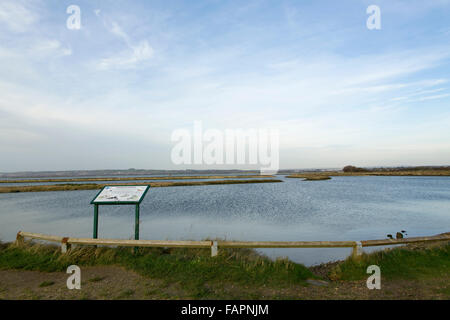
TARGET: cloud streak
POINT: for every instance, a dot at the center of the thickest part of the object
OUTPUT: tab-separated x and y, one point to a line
133	55
17	15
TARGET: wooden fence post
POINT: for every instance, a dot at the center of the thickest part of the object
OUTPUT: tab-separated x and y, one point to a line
64	245
214	249
357	249
19	238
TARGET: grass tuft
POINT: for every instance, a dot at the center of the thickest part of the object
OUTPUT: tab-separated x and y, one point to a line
97	279
398	263
46	284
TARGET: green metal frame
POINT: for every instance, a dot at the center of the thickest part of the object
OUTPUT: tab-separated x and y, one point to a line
135	203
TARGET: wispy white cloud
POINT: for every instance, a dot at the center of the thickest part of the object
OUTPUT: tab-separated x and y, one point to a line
50	47
17	15
422	94
118	31
434	97
130	57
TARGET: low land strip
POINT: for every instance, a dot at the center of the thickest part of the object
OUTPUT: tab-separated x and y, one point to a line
134	178
326	175
94	186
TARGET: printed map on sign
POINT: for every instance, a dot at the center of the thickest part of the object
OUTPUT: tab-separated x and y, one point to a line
121	194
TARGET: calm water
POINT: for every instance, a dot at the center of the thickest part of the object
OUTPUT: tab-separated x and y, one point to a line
344	208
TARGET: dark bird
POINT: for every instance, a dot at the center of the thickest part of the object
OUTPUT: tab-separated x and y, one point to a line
399	235
403	231
390	236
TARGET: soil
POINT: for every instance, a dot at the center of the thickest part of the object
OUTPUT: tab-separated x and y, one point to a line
111	282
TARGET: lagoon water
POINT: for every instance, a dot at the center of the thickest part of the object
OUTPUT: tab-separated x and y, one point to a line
344	208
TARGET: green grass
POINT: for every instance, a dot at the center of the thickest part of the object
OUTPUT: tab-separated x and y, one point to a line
399	263
194	269
46	284
126	294
445	291
96	279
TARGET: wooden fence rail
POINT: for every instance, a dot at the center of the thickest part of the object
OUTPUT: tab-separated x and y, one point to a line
357	246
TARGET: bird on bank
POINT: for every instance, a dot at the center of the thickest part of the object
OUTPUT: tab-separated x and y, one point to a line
398	235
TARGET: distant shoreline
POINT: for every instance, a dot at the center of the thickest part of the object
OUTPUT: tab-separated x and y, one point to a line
212	172
132	178
326	175
119	173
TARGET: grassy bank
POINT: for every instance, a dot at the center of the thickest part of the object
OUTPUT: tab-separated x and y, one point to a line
94	186
134	178
193	269
400	263
407	272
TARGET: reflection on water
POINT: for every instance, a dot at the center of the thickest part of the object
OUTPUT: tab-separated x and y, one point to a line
344	208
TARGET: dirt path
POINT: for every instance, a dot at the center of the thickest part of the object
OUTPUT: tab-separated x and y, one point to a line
107	282
111	282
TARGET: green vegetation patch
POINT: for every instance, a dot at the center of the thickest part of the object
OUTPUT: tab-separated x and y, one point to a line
398	263
194	269
46	284
97	279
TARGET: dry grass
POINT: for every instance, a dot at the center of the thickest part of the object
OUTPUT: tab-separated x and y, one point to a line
134	178
310	177
94	186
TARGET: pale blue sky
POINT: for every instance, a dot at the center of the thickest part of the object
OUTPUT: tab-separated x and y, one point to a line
110	94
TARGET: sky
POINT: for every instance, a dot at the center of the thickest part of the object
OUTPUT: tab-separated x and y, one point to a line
110	94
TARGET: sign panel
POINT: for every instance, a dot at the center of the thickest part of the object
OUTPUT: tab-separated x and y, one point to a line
120	195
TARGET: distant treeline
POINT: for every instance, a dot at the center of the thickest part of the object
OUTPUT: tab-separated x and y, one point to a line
395	169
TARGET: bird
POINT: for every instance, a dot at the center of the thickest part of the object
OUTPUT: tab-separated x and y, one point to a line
399	235
390	236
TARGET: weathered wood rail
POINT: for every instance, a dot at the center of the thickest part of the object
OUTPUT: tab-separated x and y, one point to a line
214	245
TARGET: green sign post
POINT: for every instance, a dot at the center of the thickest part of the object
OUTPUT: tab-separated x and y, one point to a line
119	195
